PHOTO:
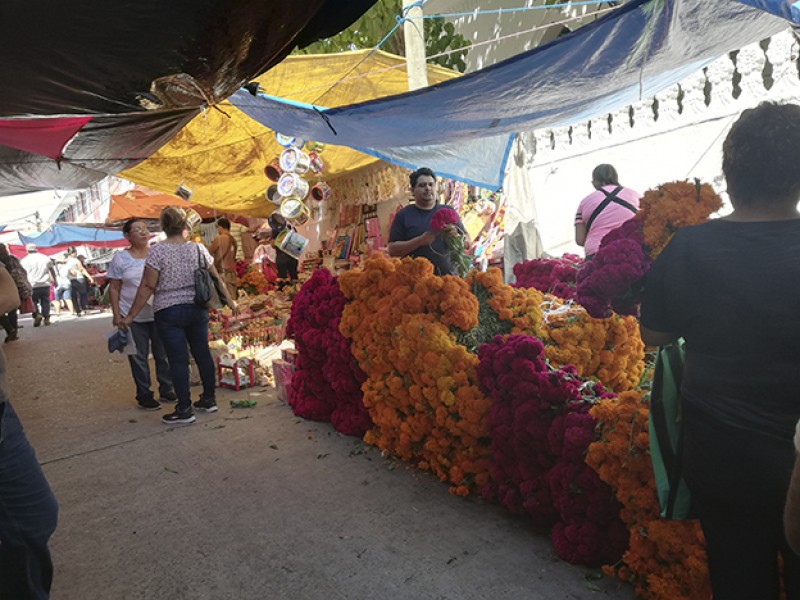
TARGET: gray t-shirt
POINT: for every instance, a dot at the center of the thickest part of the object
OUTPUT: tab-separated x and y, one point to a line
413	221
129	270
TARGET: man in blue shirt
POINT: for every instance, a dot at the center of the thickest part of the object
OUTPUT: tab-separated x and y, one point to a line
411	234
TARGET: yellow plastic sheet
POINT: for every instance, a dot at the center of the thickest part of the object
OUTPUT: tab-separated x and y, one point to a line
220	156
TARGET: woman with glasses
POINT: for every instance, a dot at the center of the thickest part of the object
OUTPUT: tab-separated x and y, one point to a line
169	276
124	275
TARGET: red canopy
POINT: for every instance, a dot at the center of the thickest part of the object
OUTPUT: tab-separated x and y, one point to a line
45	136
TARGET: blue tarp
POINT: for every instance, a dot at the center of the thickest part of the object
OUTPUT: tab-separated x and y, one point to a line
786	9
60	235
637	50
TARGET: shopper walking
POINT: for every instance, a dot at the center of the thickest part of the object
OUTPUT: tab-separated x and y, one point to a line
169	276
79	279
28	509
285	264
63	291
729	288
125	274
9	319
41	276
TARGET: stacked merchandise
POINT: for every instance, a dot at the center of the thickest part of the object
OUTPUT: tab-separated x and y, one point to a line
283	369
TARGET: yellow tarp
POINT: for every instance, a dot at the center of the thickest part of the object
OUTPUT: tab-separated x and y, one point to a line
220	156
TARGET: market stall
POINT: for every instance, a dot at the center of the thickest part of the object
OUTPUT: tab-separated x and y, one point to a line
520	394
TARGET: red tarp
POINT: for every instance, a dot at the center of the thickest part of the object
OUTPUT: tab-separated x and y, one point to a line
46	136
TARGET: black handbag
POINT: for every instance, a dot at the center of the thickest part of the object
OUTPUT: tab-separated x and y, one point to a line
207	288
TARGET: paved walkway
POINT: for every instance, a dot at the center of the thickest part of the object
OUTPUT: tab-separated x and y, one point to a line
250	503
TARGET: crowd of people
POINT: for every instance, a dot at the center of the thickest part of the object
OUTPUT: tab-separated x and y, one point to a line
46	285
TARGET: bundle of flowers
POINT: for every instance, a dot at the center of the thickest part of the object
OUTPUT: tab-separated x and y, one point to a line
241	267
589	530
665	559
540	430
609	350
421	388
253	281
386	290
327	382
556	276
612	280
447	218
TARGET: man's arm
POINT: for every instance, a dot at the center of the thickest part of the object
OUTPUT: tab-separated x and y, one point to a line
406	247
580	234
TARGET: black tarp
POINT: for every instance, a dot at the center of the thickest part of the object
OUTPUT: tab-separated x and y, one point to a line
143	67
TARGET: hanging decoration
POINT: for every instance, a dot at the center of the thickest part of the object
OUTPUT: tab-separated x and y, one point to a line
296	161
273	170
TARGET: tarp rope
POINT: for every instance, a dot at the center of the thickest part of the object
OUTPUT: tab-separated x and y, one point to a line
500	11
330	85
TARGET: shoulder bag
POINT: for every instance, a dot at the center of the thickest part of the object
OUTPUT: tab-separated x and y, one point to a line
207	292
666	433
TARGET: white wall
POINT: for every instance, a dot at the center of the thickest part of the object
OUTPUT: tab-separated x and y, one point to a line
685	141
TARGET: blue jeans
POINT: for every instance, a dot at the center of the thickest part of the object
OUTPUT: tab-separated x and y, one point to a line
145	336
41	298
28	515
178	326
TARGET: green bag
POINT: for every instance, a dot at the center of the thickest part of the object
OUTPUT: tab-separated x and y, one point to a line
666	436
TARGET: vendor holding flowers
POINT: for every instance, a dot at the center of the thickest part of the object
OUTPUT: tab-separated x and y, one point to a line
418	230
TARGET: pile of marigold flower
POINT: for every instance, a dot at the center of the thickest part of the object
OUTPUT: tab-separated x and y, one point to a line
528	417
665	559
609	350
421	388
253	281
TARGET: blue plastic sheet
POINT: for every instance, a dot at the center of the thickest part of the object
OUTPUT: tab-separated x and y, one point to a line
630	54
59	235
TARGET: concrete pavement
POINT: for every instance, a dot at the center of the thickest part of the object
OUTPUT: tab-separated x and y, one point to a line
251	503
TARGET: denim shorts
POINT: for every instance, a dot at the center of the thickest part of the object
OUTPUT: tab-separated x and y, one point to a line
63	292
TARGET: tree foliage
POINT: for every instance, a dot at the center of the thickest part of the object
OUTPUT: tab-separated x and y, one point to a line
369	30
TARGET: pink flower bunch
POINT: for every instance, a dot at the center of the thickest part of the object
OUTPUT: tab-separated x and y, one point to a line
241	267
326	385
555	276
442	218
612	280
540	431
